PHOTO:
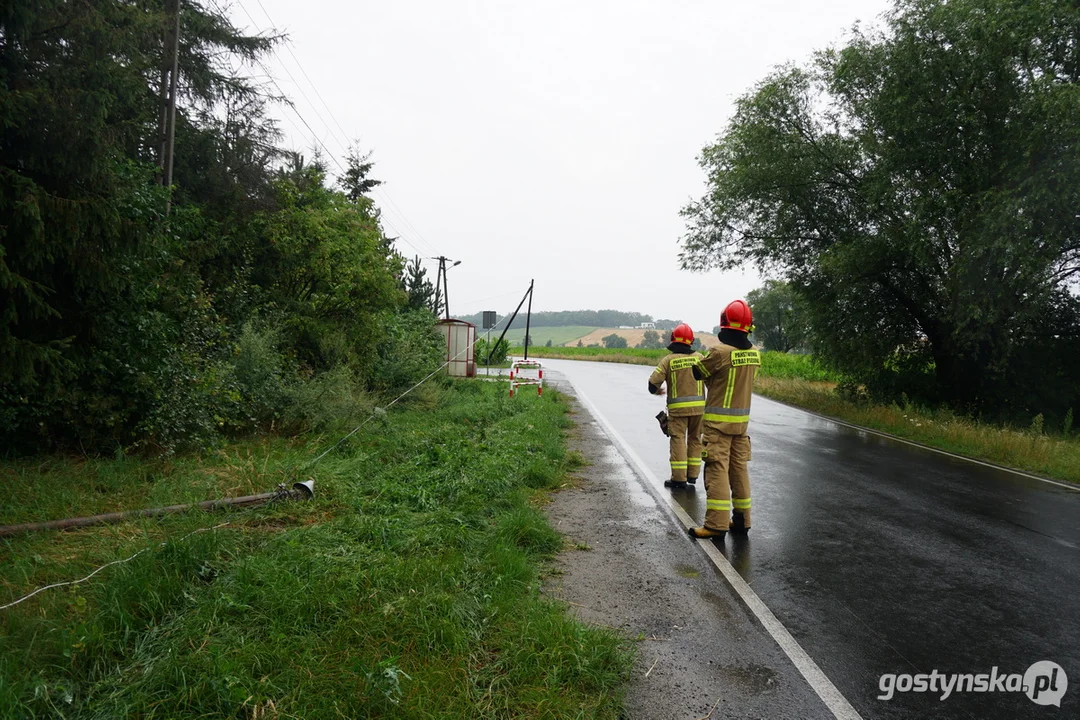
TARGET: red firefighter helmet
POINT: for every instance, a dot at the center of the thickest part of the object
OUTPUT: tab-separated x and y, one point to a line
737	316
682	334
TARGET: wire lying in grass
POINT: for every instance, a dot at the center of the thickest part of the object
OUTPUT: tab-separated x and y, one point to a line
108	564
376	413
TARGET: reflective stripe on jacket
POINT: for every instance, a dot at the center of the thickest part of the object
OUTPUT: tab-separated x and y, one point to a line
685	394
729	381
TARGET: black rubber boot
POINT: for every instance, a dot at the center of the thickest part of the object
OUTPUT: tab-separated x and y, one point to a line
738	524
692	481
675	484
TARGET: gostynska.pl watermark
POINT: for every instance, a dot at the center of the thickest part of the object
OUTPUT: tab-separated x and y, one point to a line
1044	683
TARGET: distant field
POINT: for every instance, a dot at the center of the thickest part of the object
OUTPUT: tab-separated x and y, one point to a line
540	335
633	337
570	335
630	356
773	364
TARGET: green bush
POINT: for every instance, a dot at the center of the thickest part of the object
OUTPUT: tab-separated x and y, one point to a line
614	341
498	355
410	350
326	402
261	379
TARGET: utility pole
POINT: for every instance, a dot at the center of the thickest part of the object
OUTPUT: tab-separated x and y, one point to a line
489	322
528	318
438	285
527	296
167	122
441	276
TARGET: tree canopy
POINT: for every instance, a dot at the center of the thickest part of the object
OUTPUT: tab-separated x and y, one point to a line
614	341
779	317
918	188
651	340
565	318
123	326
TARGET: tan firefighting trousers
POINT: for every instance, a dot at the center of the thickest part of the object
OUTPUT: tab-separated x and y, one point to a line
727	482
685	442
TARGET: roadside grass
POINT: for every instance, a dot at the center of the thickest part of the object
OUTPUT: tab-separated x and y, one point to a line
632	356
1029	449
409	587
480	365
799	381
773	364
59	486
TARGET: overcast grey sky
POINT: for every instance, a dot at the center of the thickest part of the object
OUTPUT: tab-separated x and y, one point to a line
554	140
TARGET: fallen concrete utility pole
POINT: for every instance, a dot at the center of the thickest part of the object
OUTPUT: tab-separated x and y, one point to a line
300	491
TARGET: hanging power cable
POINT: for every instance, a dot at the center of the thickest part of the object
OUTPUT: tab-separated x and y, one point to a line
343	141
381	411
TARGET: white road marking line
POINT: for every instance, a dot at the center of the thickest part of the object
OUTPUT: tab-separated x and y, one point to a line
834	700
887	436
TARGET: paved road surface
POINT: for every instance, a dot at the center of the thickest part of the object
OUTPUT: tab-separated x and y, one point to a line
880	557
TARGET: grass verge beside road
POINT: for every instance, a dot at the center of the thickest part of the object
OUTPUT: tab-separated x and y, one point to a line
773	364
408	587
632	356
799	381
1032	450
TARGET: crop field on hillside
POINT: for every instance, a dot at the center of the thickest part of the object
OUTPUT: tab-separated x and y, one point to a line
633	337
540	335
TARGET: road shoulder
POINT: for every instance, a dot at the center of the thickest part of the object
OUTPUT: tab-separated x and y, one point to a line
628	566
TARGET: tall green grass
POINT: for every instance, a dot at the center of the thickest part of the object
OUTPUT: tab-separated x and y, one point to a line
773	364
800	367
1031	449
635	356
800	381
408	588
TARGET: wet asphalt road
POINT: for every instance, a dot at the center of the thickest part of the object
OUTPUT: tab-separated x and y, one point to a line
881	557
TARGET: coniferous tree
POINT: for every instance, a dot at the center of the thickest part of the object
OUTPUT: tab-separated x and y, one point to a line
419	289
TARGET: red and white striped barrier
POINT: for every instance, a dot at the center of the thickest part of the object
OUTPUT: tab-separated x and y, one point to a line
516	379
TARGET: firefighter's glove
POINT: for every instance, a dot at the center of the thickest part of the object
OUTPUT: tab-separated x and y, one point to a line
661	417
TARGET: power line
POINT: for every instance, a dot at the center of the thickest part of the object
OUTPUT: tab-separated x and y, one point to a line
306	76
343	140
272	79
400	235
382	411
400	213
108	564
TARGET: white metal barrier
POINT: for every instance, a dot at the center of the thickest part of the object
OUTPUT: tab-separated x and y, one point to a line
516	378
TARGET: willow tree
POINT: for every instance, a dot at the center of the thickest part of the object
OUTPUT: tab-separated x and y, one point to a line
919	188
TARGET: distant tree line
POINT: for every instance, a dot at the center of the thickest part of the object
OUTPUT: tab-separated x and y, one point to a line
267	296
916	190
566	318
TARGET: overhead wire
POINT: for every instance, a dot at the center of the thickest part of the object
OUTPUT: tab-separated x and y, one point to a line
377	411
321	145
342	141
382	411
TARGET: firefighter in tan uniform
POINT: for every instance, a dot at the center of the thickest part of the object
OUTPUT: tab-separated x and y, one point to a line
685	405
728	371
